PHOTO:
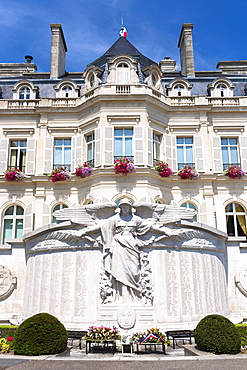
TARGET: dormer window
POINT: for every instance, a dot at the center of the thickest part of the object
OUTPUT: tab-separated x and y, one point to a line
179	90
122	73
91	80
24	93
66	89
221	88
25	90
179	87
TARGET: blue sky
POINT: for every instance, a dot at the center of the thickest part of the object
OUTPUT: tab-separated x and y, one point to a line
92	26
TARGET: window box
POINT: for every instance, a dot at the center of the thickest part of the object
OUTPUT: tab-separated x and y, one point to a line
123	166
188	173
83	171
163	169
59	174
234	172
14	175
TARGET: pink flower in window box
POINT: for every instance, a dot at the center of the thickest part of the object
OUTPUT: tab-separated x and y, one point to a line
59	174
14	175
83	171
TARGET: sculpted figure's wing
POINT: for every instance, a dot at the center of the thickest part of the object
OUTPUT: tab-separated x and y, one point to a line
87	215
163	213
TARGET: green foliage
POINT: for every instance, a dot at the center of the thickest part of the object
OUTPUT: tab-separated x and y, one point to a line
217	334
242	330
41	334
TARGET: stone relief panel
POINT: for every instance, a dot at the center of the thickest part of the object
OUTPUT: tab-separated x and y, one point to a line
7	282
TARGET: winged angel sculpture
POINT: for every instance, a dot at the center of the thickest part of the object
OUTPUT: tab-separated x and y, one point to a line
122	236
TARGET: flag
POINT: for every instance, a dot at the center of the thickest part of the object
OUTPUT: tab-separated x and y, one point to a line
151	336
123	32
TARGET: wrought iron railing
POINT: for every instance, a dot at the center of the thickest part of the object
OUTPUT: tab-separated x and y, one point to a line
227	165
182	165
56	165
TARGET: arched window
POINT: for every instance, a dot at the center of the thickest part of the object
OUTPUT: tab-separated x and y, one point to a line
123	73
57	208
13	223
91	80
24	93
221	90
235	220
190	206
67	91
179	90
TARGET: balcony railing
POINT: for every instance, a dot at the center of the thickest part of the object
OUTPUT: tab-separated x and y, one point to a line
56	165
20	104
227	165
123	89
21	168
131	158
182	165
91	162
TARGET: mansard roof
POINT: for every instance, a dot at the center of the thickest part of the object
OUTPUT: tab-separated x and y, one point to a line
123	46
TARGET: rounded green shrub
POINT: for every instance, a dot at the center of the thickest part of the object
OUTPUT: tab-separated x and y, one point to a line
41	334
217	334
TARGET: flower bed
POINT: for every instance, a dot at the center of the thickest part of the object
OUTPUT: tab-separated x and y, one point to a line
188	173
59	174
14	175
102	333
163	169
150	336
83	171
7	333
242	329
234	172
123	166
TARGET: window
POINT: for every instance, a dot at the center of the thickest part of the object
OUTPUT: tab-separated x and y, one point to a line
190	206
229	150
57	208
123	143
235	220
18	154
122	73
185	152
90	143
221	90
179	90
91	80
13	223
67	91
156	147
24	93
62	153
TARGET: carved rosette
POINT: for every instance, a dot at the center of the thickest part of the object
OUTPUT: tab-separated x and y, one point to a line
7	282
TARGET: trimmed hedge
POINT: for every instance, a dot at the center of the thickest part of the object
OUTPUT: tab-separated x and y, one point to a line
242	330
41	334
217	334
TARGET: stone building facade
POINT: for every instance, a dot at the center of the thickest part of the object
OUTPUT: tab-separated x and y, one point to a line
122	105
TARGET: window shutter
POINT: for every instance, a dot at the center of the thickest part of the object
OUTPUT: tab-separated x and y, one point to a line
217	154
28	219
199	163
170	151
31	147
48	157
243	152
150	147
3	155
97	136
77	152
109	146
139	139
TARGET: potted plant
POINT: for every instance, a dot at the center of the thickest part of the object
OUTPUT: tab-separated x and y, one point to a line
14	175
59	174
102	333
188	173
83	171
153	335
234	172
123	166
163	169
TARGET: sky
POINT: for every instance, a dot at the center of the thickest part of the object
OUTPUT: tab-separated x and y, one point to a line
91	26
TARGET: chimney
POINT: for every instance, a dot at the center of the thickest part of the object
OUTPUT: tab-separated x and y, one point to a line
58	51
185	44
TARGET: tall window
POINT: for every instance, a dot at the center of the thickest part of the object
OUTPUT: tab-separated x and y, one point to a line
62	153
185	152
191	206
235	220
18	155
156	147
57	208
13	223
67	91
123	143
24	93
229	150
90	143
122	73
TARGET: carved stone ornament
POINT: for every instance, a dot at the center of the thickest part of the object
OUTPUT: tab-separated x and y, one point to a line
241	281
126	318
7	282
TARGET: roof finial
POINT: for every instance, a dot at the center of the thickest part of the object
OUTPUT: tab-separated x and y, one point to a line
123	31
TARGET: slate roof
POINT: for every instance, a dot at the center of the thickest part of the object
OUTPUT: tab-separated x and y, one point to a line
123	46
